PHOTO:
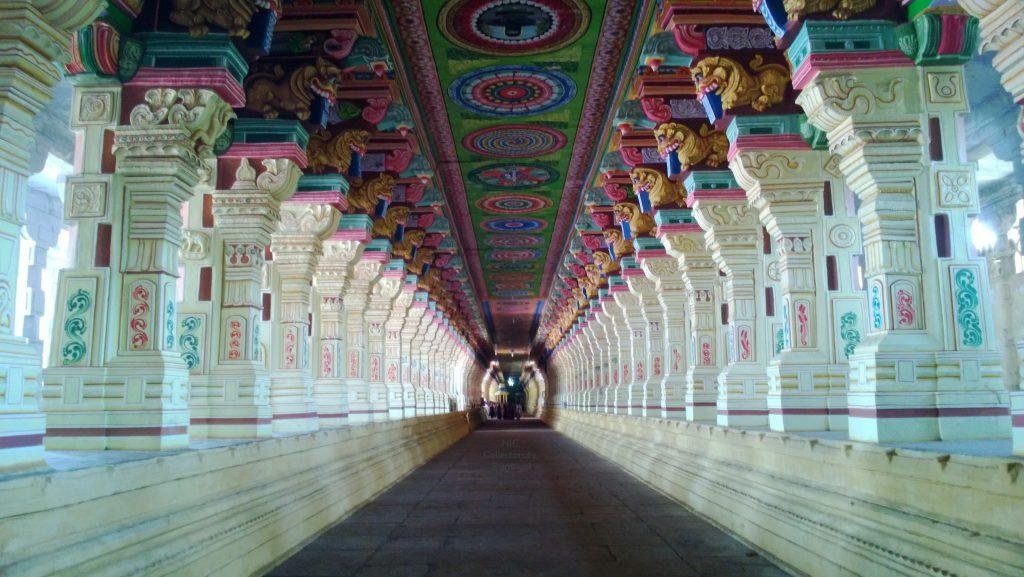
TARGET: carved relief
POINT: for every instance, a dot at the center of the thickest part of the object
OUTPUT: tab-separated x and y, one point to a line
639	223
387	226
840	9
88	199
76	325
660	189
199	111
335	151
955	187
195	245
96	107
365	197
707	146
271	93
199	15
736	87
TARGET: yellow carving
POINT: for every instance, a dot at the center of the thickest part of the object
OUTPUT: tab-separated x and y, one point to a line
366	196
737	87
423	256
708	146
606	262
661	190
619	244
269	93
335	151
639	223
589	288
387	226
411	239
841	9
199	15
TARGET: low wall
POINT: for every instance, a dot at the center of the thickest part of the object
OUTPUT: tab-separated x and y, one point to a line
228	511
826	507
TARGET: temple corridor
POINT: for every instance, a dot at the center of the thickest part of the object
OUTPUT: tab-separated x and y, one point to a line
516	498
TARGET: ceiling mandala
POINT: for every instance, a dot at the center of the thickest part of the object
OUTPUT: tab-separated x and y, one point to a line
514	141
519	90
514	95
502	27
517	224
512	175
513	203
512	241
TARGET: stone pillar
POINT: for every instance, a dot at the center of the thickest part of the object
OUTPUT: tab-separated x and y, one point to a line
410	332
382	299
649	308
606	319
31	43
733	236
306	221
929	368
596	354
160	157
785	182
396	351
221	344
333	273
366	271
705	355
669	361
418	342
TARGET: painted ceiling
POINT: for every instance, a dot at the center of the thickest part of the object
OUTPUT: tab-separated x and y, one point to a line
515	95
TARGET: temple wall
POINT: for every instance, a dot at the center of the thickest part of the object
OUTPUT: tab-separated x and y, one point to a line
825	507
228	511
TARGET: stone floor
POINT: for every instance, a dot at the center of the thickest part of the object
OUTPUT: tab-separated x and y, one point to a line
520	499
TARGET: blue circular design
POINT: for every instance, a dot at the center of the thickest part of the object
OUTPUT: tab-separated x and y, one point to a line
512	90
517	224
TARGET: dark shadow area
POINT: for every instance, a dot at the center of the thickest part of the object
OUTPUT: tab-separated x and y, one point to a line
515	498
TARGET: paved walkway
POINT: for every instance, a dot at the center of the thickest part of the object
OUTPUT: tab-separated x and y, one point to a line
519	499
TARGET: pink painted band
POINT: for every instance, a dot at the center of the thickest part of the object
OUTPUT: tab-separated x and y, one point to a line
262	150
286	416
332	415
677	228
817	63
740	412
218	80
231	421
767	142
1018	420
928	412
18	441
117	431
352	234
651	253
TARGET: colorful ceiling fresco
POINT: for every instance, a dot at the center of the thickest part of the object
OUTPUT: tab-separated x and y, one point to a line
514	95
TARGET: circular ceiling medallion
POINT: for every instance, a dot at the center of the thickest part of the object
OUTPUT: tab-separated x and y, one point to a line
513	175
514	141
504	27
513	203
513	89
512	240
516	224
513	254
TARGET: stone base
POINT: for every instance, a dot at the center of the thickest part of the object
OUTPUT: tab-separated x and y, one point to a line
125	430
230	422
798	411
1017	418
233	511
21	439
292	419
891	417
821	506
701	405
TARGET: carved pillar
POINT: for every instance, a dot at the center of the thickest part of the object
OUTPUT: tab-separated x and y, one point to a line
160	158
653	342
929	368
606	318
669	361
366	272
596	379
382	298
395	350
420	395
27	75
220	342
410	332
733	237
787	185
333	273
306	221
705	353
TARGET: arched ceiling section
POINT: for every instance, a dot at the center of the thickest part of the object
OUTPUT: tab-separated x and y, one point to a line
514	97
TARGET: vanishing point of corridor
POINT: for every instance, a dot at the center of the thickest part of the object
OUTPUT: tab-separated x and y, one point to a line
516	498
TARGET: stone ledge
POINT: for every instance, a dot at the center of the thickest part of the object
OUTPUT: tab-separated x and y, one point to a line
226	511
826	507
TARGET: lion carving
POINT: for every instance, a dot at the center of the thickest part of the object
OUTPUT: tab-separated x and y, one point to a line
659	188
271	93
841	9
198	15
365	197
410	240
708	146
606	262
619	244
424	256
639	223
387	226
335	151
737	87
